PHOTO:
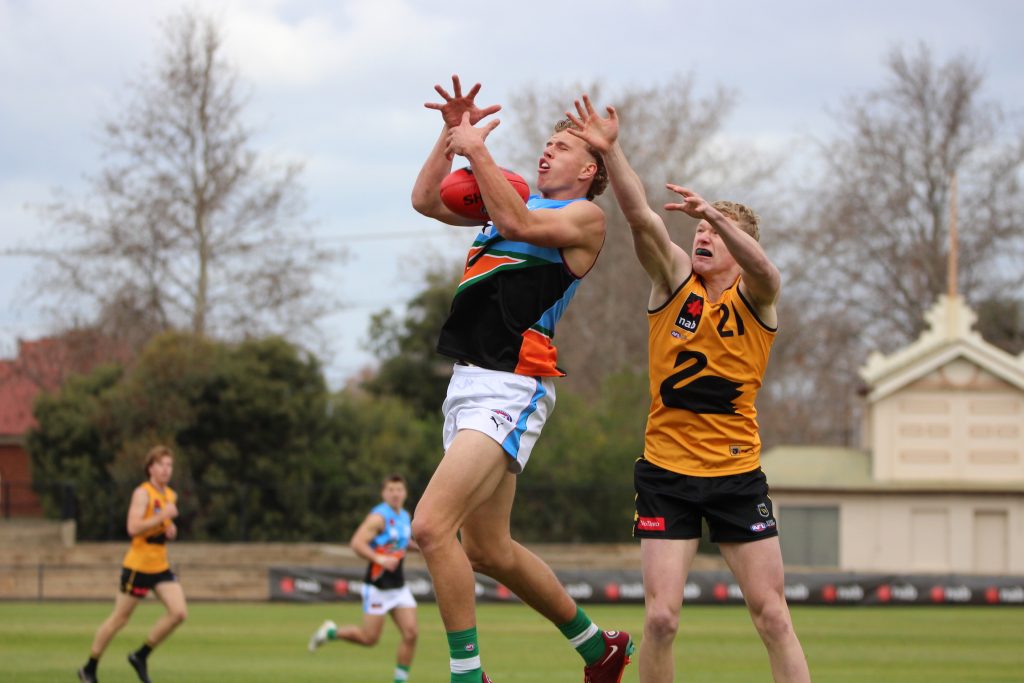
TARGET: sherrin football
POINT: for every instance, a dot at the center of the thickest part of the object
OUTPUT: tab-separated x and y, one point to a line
461	194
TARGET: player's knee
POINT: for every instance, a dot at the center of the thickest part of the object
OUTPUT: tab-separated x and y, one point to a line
370	639
485	559
178	615
661	623
410	634
117	621
427	533
773	622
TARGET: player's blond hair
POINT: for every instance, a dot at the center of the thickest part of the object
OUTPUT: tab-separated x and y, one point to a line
744	216
599	182
154	454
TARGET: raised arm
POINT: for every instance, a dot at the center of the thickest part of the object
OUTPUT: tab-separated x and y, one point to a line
666	264
426	192
578	228
760	280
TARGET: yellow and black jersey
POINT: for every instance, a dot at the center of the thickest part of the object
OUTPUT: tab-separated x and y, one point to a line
707	362
148	552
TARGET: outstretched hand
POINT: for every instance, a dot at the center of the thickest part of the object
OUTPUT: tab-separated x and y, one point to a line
692	205
457	104
463	138
600	133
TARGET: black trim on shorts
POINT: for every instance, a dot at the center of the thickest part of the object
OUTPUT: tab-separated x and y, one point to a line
138	584
671	506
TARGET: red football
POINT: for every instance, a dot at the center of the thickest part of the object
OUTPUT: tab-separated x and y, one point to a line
461	194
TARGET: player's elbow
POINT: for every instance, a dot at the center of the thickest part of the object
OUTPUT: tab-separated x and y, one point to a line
424	204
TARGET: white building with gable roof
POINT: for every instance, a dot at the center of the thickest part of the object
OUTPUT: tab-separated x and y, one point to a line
940	486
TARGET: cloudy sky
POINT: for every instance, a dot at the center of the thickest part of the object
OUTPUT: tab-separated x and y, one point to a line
340	85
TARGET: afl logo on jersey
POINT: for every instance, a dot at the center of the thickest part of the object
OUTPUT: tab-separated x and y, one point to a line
689	314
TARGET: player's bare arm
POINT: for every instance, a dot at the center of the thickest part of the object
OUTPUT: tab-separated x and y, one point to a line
666	264
578	227
360	543
760	280
137	523
426	193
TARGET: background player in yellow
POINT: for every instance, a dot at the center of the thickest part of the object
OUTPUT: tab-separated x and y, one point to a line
150	524
712	321
382	540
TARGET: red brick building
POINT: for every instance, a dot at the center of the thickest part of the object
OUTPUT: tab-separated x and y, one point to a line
17	392
40	365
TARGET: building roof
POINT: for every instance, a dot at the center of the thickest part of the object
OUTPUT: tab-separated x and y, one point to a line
948	337
836	469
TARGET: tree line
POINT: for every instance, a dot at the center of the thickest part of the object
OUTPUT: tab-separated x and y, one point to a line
190	269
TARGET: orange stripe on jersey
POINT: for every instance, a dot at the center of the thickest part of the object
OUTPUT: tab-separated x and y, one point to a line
537	355
486	264
707	361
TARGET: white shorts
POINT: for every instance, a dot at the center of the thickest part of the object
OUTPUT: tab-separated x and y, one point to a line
509	408
379	602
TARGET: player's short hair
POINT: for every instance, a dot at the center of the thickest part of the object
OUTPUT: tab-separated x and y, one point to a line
394	479
156	453
600	180
744	216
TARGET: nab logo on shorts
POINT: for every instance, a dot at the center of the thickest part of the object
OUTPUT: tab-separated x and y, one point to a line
689	314
650	523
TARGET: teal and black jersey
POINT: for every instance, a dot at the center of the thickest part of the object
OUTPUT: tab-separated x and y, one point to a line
511	296
393	540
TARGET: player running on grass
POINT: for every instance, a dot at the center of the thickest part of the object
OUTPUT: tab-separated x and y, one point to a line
712	323
150	524
382	539
521	272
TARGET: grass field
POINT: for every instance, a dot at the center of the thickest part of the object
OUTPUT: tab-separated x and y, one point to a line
252	643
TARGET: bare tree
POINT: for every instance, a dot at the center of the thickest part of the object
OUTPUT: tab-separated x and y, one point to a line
670	134
868	253
184	226
877	228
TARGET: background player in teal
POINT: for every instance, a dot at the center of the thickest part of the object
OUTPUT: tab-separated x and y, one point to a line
382	539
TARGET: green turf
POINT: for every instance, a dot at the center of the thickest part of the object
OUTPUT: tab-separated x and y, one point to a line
250	643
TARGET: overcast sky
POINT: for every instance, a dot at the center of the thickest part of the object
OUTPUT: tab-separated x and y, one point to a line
340	85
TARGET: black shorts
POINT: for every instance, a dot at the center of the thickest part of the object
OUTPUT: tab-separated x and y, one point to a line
671	505
138	584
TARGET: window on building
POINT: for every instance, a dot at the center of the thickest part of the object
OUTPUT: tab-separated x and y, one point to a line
809	535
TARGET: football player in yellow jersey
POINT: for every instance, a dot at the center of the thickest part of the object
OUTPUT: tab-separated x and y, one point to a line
712	321
151	515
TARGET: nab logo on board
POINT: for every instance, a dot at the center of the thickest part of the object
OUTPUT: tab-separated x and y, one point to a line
689	314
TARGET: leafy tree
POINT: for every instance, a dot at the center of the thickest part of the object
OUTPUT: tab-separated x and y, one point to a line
71	454
185	226
372	438
248	423
578	485
410	367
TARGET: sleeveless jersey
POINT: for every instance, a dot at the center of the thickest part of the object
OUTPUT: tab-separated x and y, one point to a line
511	296
393	540
148	552
707	362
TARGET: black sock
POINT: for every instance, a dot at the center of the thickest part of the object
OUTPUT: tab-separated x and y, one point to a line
91	665
143	651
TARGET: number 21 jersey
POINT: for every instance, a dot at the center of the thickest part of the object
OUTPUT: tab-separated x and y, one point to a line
707	362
